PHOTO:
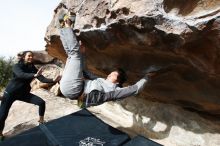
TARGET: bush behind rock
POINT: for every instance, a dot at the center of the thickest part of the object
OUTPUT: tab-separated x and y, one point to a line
5	71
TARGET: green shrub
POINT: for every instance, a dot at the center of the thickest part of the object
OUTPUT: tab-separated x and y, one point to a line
5	71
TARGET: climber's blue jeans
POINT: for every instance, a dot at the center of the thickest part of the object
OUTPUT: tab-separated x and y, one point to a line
71	84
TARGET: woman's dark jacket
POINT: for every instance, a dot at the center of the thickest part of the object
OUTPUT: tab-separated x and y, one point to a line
23	74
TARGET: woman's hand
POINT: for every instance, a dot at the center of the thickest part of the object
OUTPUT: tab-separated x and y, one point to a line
57	78
39	72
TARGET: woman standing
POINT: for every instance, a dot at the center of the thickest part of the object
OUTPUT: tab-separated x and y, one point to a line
19	88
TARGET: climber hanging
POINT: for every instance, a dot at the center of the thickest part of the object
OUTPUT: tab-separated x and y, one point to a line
93	90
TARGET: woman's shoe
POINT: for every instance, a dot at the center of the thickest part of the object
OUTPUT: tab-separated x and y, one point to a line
41	122
2	138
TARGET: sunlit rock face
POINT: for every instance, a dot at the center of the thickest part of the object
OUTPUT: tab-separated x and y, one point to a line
181	36
42	57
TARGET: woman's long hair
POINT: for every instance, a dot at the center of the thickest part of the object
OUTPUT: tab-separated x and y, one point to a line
21	55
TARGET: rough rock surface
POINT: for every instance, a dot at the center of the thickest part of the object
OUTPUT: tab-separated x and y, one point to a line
43	57
50	71
181	35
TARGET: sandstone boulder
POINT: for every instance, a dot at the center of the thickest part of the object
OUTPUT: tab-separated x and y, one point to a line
181	35
50	71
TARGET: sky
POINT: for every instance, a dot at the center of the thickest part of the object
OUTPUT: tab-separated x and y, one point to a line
23	24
